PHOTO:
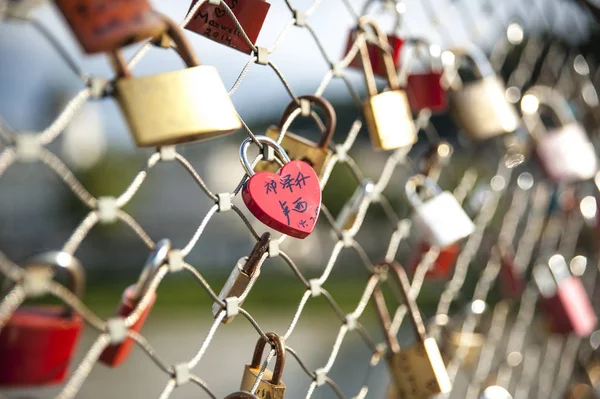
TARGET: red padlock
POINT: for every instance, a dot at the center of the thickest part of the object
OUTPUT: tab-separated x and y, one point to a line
377	62
116	354
443	264
564	299
288	201
102	26
215	23
424	90
512	283
38	342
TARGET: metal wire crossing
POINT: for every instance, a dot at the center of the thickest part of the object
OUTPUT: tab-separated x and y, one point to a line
521	202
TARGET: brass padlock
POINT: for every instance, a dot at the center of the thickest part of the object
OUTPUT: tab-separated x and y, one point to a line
241	395
175	107
388	116
299	148
479	107
270	386
418	372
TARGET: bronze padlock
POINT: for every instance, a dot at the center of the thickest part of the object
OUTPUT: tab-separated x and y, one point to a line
387	114
480	107
178	106
418	372
270	385
107	25
241	395
299	148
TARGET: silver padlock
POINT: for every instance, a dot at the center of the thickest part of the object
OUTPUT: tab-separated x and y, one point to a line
439	219
565	151
349	212
480	107
241	276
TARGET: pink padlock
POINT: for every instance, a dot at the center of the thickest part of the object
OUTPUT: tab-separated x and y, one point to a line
564	299
565	151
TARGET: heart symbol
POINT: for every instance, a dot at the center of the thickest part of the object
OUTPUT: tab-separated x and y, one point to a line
219	12
288	201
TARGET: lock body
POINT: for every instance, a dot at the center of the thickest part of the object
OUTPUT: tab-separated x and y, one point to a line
215	23
419	372
176	107
481	109
114	355
377	62
37	344
235	285
569	309
444	263
389	120
106	26
567	154
266	389
442	221
425	91
297	148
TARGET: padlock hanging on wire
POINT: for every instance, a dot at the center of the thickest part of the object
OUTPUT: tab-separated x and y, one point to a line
109	25
565	152
479	107
270	385
175	107
299	148
215	23
418	372
288	201
115	355
38	341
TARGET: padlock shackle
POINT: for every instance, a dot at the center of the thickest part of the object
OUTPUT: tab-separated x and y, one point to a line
265	141
549	97
183	46
155	260
259	250
397	13
477	57
319	102
419	181
383	47
417	44
58	260
277	344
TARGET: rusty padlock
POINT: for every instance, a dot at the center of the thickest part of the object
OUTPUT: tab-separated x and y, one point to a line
387	114
565	152
116	354
241	276
102	26
270	385
418	372
178	106
479	107
564	299
424	89
215	23
38	341
297	147
440	219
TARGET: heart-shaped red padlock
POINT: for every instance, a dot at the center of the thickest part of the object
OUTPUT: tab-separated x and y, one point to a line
288	201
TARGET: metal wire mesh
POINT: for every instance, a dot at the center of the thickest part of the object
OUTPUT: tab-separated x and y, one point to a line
522	207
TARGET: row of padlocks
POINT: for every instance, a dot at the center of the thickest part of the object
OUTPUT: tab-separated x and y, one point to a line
283	189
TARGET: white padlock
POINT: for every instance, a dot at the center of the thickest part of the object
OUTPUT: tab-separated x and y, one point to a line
565	152
439	219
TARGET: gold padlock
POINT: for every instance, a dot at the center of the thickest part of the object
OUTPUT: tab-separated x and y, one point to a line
299	148
479	107
175	107
388	116
418	372
270	386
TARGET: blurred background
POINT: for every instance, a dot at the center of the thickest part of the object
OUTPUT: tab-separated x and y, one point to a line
39	213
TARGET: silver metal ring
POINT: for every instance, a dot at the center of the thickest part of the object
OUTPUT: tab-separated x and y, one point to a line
263	140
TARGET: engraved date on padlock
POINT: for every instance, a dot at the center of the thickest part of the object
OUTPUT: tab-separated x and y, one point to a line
241	277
